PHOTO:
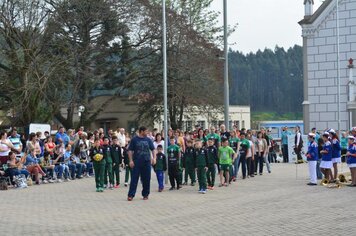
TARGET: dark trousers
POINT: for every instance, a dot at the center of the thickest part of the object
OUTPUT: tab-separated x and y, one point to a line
141	169
99	169
259	162
173	172
201	173
250	166
189	171
343	155
116	173
298	152
210	175
128	173
243	164
108	173
285	153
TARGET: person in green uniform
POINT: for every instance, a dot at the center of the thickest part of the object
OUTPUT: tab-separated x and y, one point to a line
226	156
128	169
235	145
212	161
160	167
201	165
108	165
116	153
214	136
174	156
188	163
244	146
97	156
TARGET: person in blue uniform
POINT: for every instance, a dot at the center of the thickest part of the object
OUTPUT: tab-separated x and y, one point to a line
142	156
326	158
336	153
351	159
312	157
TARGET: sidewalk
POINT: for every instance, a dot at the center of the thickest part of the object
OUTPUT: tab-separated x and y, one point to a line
272	204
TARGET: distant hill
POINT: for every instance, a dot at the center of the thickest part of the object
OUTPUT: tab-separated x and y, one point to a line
268	81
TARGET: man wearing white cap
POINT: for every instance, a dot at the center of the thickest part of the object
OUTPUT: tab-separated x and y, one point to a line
312	156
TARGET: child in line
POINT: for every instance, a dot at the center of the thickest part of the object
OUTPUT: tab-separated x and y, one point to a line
188	163
201	165
108	164
160	167
174	156
226	157
212	161
117	160
97	155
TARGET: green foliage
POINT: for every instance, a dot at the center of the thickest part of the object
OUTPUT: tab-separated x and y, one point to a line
271	116
268	80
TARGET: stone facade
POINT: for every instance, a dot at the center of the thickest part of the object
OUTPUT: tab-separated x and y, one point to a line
321	66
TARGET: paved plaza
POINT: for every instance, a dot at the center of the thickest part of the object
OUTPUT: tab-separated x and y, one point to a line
272	204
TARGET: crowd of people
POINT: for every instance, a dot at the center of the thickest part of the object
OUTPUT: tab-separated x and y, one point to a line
326	151
191	157
74	154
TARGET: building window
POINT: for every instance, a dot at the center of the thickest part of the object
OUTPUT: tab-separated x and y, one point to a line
201	123
243	124
188	125
237	124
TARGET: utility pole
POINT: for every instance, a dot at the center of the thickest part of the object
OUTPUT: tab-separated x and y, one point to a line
226	71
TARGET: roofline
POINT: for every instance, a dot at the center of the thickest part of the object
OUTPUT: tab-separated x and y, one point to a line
310	19
281	121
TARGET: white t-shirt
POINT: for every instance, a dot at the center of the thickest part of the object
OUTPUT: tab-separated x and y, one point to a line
159	143
249	151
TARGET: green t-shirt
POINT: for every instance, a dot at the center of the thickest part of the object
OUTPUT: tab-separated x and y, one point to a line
225	155
173	154
244	144
233	143
216	138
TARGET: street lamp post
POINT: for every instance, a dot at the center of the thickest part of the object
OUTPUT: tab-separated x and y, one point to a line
165	90
81	109
226	71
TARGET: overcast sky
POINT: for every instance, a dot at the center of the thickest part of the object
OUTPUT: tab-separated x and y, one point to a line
264	23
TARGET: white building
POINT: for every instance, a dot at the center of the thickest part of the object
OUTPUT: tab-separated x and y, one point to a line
239	116
319	31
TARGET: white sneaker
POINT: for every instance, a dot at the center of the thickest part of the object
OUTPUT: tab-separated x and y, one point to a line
203	191
50	181
44	181
59	181
88	176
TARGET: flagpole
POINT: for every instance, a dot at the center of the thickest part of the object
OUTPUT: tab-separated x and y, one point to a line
165	90
226	71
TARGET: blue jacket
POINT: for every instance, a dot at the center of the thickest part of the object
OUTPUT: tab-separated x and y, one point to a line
284	138
313	151
336	153
30	160
327	156
351	149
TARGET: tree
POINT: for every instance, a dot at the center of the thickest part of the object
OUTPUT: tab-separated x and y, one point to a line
194	72
25	68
